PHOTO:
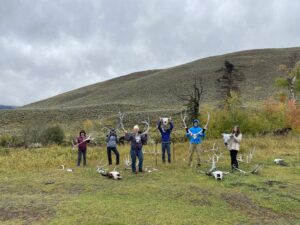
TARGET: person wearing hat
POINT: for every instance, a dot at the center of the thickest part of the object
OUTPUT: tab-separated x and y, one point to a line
195	135
137	138
82	141
112	141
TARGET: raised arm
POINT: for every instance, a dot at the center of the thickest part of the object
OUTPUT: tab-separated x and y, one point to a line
237	139
159	125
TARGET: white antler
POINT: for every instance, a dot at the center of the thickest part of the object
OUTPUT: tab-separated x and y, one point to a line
183	118
89	138
208	120
147	123
121	118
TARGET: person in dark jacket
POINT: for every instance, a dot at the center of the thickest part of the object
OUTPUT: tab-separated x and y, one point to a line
82	141
137	139
112	141
165	132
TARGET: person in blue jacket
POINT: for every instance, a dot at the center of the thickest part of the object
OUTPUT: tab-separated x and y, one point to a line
165	132
195	135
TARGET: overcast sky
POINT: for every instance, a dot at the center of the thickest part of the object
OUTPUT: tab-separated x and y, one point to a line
49	47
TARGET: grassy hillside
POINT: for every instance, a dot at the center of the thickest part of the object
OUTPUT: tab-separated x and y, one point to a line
175	194
159	88
149	93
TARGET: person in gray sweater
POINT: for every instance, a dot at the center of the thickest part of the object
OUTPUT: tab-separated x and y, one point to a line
112	141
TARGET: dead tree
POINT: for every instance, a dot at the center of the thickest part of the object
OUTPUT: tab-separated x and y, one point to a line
230	80
192	99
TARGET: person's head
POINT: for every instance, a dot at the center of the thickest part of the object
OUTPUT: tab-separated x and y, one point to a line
236	130
82	133
113	132
196	123
136	129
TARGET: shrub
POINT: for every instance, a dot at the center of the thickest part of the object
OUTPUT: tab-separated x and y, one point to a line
53	135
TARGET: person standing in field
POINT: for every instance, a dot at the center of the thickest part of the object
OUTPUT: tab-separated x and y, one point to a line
234	146
82	142
195	135
165	132
112	141
137	138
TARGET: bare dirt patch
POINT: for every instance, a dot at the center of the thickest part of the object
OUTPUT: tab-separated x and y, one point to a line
246	205
28	214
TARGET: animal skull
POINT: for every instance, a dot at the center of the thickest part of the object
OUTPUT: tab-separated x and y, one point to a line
278	161
115	175
165	121
218	175
226	138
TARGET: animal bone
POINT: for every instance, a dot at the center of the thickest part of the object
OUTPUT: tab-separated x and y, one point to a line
85	140
280	162
121	118
183	118
165	121
208	120
226	138
147	123
218	175
68	169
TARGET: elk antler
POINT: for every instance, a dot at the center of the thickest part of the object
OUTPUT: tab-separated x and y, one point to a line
89	138
121	117
208	119
147	123
183	118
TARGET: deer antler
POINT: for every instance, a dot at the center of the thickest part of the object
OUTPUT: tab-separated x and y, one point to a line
147	123
183	118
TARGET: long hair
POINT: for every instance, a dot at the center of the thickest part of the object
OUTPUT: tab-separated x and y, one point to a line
238	131
82	132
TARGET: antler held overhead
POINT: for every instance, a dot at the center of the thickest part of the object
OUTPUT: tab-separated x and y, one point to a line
208	120
147	123
183	118
121	118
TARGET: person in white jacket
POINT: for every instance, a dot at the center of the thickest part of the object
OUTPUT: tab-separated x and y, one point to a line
234	146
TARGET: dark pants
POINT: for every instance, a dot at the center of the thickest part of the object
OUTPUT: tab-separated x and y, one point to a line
234	162
80	154
136	153
164	147
114	150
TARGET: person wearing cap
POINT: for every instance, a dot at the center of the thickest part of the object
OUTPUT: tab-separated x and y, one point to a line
165	132
112	141
137	138
82	141
195	135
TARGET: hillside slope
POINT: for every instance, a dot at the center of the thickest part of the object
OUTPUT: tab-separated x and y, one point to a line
155	93
160	88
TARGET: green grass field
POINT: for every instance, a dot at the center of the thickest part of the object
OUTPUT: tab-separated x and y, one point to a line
175	194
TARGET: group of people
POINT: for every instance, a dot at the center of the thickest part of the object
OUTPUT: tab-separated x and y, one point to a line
137	139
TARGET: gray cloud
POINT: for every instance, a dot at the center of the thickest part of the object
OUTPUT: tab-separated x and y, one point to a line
49	47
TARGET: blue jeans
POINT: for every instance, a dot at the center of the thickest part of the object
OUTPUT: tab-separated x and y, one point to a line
164	147
136	153
80	154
